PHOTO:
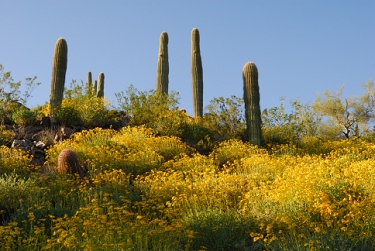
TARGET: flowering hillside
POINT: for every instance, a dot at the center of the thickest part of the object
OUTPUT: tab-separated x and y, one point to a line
149	192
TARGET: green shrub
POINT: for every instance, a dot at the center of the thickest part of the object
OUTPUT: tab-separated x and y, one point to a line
24	117
68	116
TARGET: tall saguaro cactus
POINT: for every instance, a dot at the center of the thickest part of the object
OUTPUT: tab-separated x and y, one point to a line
162	72
196	73
252	103
59	65
89	88
100	93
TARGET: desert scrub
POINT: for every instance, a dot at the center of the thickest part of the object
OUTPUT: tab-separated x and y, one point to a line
102	149
6	135
336	197
24	117
14	160
16	193
228	151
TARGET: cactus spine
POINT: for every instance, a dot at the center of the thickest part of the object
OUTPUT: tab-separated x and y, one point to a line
100	93
252	105
196	74
59	65
163	65
67	162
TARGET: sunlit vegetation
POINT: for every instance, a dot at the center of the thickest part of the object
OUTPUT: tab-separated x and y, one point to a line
167	181
148	192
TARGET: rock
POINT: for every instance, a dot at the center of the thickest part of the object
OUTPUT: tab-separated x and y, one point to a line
46	136
45	121
36	149
63	133
22	144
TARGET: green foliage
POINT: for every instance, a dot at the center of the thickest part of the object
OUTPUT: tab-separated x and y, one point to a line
280	127
352	115
68	115
225	117
153	109
24	117
10	94
79	108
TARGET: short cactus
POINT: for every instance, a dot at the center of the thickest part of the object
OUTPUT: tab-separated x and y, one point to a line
196	74
67	162
95	86
100	93
60	61
162	78
252	103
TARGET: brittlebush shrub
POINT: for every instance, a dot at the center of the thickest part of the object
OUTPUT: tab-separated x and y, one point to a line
6	135
89	112
150	192
14	160
132	149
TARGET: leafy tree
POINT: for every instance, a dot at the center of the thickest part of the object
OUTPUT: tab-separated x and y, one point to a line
281	127
225	117
10	94
351	115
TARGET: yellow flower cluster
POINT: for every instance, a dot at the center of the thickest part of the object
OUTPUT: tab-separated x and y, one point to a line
148	192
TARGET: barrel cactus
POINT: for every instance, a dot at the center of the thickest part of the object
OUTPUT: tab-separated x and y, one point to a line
163	65
59	65
100	93
252	103
67	162
196	74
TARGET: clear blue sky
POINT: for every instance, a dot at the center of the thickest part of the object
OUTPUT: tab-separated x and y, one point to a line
301	48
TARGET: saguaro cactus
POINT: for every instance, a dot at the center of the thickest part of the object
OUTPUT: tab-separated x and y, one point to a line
67	162
100	93
89	88
252	105
196	74
95	86
162	71
59	65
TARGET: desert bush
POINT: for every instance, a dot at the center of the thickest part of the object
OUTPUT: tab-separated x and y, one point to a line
154	110
232	150
14	160
6	136
152	192
225	118
24	117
